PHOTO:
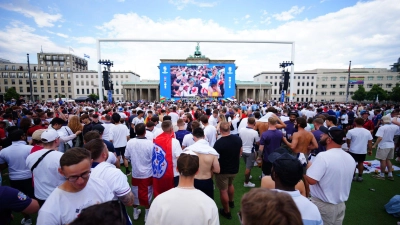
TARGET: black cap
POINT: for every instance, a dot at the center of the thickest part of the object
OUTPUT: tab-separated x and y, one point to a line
99	128
335	133
287	167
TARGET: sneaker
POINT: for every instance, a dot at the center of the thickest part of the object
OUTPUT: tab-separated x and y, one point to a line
136	215
391	178
360	179
354	178
231	205
26	222
225	214
249	185
250	176
379	177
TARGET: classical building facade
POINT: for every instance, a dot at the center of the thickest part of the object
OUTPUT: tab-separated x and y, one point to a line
330	84
150	89
86	83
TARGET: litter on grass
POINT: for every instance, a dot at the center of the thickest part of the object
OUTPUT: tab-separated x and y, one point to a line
375	167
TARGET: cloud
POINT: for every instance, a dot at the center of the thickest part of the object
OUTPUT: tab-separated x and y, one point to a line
85	40
41	18
120	0
62	35
288	15
247	16
59	26
328	41
322	1
181	4
266	21
264	12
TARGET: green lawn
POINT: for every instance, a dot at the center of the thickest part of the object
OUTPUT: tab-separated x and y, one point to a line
363	207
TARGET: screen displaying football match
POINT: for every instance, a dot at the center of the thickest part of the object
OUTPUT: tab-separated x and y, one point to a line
191	80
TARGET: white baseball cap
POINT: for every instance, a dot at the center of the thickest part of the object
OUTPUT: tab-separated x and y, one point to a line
49	135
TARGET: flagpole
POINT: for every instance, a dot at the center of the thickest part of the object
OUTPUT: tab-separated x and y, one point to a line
348	84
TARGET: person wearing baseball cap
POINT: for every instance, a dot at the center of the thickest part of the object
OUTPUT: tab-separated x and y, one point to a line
368	124
37	140
45	175
287	171
330	176
385	144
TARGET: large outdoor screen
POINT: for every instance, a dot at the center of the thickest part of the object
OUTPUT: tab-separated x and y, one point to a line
191	80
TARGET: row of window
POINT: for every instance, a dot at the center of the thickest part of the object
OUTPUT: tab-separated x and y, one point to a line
34	82
294	77
368	78
97	76
53	57
50	63
35	89
353	85
34	75
92	83
334	93
115	91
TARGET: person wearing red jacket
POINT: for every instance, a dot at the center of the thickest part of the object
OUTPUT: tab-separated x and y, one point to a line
368	124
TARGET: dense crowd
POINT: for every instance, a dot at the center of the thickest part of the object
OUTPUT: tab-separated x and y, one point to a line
71	162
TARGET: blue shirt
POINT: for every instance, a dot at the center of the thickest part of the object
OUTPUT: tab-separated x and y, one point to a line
376	119
109	145
317	134
271	140
290	129
11	200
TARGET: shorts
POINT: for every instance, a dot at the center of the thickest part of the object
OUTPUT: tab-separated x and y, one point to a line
330	213
142	189
25	186
358	157
384	153
120	151
206	186
224	180
249	159
266	168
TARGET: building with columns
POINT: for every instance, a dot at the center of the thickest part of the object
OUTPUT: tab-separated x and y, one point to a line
150	89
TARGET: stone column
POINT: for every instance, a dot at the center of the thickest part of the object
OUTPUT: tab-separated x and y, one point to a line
157	94
254	94
246	96
140	94
149	94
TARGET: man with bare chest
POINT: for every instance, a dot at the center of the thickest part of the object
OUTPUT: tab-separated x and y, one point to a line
208	163
302	140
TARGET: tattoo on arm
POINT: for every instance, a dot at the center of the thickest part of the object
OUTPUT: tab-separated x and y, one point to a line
127	199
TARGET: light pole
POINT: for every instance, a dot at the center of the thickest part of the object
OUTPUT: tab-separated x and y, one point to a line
284	65
109	64
30	78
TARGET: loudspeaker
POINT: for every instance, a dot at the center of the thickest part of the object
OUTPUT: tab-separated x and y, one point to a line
105	80
286	81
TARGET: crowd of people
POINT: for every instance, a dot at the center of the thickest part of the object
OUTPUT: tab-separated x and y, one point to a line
72	162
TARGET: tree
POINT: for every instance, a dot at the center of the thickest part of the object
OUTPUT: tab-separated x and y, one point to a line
360	94
377	91
395	95
11	93
94	96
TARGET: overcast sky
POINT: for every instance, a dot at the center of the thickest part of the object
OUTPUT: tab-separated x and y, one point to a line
327	33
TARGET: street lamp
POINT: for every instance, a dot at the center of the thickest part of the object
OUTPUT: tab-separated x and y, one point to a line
109	64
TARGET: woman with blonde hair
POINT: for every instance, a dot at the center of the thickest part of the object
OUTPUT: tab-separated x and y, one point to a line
221	118
75	125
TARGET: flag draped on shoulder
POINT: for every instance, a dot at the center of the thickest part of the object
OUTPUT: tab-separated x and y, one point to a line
163	169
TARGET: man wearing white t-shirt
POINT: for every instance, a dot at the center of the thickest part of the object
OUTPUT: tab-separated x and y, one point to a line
209	131
188	139
286	172
385	150
358	139
174	115
139	151
213	120
250	138
119	137
184	204
114	177
45	175
330	176
78	192
107	127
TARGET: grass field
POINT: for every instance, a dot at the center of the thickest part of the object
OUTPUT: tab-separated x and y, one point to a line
363	207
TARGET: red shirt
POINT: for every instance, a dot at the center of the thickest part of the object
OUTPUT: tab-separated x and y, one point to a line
2	133
36	148
34	128
369	125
